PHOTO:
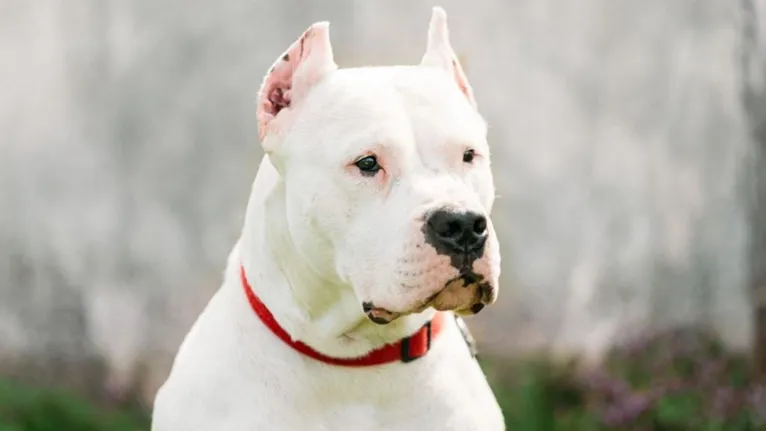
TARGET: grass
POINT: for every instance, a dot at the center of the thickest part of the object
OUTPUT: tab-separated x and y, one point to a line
24	408
676	381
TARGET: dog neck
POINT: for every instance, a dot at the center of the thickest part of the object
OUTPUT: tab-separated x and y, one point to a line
324	314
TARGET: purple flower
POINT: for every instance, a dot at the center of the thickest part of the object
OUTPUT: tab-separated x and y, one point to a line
710	371
606	385
724	401
636	405
627	410
613	416
756	400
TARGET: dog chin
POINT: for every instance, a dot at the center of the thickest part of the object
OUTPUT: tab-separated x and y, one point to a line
466	295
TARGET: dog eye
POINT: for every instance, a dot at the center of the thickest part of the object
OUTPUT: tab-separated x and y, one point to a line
368	165
468	156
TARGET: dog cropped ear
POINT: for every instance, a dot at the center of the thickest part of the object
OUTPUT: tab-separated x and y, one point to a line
291	77
439	53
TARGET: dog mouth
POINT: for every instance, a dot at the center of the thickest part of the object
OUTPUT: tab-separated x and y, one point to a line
466	294
379	315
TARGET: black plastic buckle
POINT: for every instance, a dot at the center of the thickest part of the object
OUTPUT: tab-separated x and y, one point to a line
406	354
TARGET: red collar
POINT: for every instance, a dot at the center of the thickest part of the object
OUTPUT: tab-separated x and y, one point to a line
405	350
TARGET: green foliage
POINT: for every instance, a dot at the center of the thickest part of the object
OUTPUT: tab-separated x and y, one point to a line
679	381
676	381
31	409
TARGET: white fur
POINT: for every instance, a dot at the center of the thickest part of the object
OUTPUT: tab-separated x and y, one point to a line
319	239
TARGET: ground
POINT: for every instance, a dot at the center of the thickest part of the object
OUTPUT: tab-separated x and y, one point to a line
681	380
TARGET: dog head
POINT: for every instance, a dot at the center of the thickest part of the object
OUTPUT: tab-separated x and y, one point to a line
386	175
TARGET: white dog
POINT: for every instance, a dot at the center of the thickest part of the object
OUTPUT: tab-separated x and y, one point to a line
367	230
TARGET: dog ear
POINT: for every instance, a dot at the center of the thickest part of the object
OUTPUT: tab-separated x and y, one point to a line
290	78
439	52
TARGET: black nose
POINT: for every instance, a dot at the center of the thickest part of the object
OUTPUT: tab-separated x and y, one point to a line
456	232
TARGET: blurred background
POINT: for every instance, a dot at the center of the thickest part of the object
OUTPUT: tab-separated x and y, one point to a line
628	151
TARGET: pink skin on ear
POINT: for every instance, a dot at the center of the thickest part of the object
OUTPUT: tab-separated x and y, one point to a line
306	61
462	81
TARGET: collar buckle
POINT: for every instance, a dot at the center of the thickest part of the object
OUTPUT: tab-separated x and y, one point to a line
417	345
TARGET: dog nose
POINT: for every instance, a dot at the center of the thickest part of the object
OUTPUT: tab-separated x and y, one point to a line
456	232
